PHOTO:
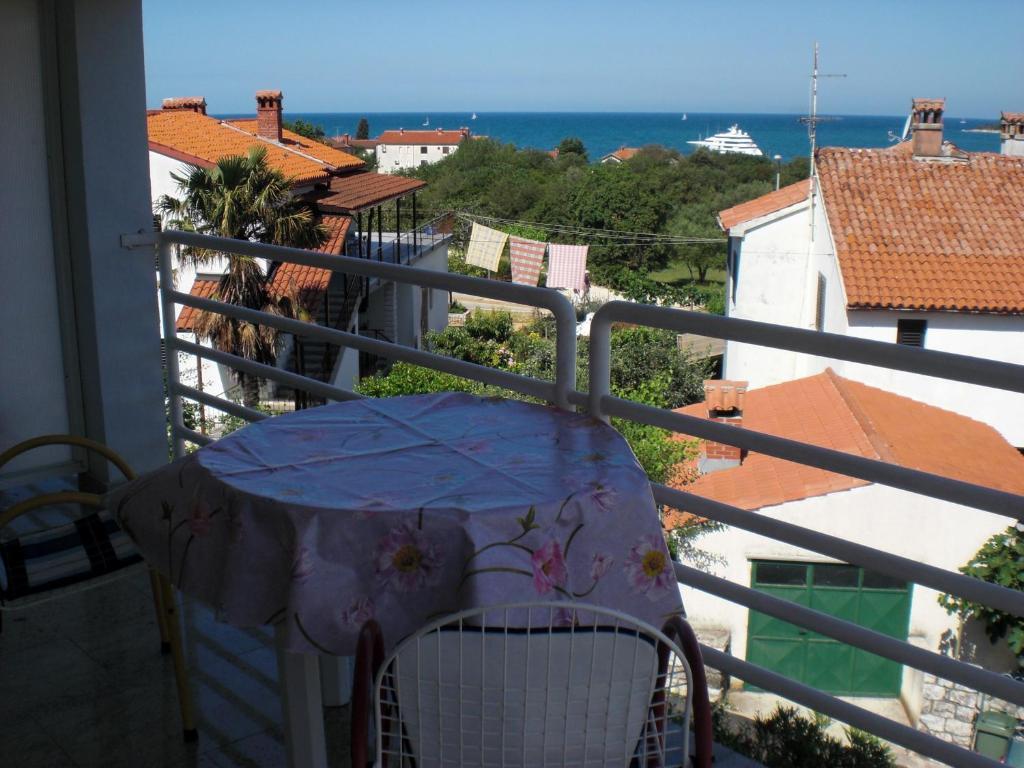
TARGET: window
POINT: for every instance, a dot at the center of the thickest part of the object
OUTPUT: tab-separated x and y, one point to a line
733	265
780	574
910	333
423	150
819	311
423	162
445	150
384	148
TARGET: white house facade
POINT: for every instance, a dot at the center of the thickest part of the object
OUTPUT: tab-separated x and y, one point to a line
839	413
401	150
918	244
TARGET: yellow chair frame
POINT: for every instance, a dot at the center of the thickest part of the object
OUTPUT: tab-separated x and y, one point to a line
163	592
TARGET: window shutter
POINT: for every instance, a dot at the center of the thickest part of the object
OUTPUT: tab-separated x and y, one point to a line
819	312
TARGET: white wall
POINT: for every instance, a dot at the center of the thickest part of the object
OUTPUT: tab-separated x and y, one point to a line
396	157
995	337
31	359
771	288
926	530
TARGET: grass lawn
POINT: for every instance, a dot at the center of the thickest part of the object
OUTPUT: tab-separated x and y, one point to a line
678	273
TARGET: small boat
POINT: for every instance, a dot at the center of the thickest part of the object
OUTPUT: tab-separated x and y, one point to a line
473	117
684	115
426	122
733	141
963	122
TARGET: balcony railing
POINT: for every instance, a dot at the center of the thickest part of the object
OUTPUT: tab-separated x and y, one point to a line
599	402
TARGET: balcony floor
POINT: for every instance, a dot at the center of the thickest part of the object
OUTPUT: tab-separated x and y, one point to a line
83	683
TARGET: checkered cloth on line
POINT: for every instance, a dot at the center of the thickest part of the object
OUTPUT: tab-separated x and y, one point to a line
527	257
485	247
567	266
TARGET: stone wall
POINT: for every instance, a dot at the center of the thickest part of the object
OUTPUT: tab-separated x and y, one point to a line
948	710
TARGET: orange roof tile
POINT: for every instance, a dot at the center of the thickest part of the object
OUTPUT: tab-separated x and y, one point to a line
204	288
310	283
317	149
1012	117
623	153
203	140
436	136
365	190
944	234
763	205
834	412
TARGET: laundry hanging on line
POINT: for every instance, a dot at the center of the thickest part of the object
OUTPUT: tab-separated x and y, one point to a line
567	266
527	257
485	247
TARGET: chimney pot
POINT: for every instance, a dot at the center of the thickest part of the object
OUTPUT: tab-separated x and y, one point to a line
724	401
186	104
926	124
268	115
1011	133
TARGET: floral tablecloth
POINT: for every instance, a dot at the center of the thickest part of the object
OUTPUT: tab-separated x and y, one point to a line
404	509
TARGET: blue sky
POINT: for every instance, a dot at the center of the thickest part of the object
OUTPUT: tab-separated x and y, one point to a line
669	56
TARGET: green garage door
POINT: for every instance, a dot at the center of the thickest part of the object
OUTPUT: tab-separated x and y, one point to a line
869	599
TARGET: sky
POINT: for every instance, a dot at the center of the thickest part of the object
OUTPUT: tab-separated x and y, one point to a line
594	56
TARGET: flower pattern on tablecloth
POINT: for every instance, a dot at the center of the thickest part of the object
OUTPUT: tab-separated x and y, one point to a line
404	510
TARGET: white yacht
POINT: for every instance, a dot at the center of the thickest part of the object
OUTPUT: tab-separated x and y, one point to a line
734	141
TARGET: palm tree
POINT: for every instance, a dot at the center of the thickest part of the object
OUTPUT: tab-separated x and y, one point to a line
242	198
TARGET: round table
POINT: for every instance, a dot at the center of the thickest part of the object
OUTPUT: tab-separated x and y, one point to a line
402	510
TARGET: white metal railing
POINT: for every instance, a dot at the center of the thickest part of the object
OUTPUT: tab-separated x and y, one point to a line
562	392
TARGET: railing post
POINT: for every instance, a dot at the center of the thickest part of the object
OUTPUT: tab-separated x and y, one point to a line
176	414
599	384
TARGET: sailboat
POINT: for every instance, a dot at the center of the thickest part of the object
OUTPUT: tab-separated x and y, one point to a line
473	116
426	122
684	115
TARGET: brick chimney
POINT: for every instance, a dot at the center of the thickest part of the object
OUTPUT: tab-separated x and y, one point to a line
926	126
186	104
724	401
268	114
1011	133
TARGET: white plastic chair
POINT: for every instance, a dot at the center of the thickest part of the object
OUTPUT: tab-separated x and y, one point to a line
530	685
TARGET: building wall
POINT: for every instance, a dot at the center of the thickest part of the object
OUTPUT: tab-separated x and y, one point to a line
770	279
926	530
397	157
35	398
995	337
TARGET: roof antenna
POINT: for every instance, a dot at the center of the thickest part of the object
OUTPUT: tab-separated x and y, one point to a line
811	121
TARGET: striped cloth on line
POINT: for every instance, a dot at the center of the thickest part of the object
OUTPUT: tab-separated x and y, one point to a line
567	266
527	256
485	247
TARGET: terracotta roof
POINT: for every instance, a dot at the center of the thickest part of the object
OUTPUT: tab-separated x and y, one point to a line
202	140
345	141
204	288
359	191
311	282
1012	117
317	149
436	136
945	234
622	153
186	102
834	412
763	205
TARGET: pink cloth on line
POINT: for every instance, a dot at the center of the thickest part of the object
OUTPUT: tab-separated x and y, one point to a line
527	257
567	266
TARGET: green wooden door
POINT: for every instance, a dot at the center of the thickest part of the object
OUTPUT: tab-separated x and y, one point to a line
845	591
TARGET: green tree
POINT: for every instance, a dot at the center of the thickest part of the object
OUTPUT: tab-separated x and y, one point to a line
363	129
303	128
242	198
571	146
999	561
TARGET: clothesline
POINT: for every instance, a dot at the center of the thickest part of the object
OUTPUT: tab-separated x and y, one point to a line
646	237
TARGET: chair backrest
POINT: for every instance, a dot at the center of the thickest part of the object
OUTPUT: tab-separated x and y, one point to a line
542	684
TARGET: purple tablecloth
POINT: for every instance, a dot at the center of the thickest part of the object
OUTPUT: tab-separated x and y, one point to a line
403	510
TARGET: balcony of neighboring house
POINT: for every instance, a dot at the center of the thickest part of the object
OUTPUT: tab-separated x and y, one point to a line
83	681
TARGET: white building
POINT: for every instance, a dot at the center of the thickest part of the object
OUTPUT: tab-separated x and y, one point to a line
340	192
835	412
918	244
1011	133
402	149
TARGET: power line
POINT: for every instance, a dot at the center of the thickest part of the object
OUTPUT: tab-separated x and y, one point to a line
594	232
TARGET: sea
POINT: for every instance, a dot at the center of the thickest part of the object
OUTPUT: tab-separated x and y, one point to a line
604	132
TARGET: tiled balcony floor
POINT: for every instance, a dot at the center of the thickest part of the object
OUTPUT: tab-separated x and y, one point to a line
83	683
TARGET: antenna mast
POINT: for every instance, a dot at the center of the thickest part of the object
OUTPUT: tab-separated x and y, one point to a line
812	121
